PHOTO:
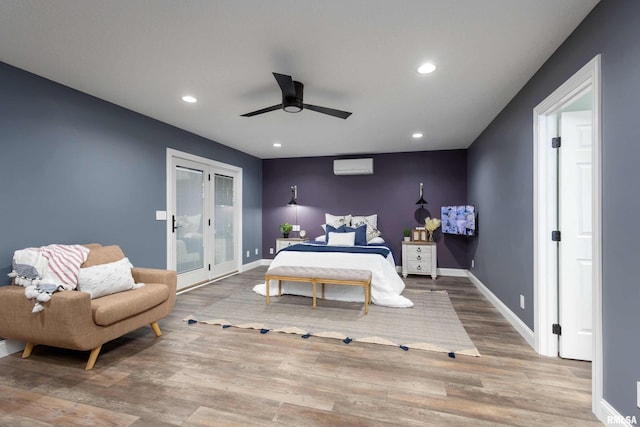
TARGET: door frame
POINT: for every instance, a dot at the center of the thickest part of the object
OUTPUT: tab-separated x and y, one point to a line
544	250
235	171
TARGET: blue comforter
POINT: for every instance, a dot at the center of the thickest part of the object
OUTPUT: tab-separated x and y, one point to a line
321	247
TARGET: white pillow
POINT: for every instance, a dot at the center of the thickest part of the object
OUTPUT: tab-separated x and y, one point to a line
372	225
322	238
376	241
107	279
342	239
337	220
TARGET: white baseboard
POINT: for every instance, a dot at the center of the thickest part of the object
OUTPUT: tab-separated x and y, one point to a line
8	347
452	272
515	321
254	264
610	417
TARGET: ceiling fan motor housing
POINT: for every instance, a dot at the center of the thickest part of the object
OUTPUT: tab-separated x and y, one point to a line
292	104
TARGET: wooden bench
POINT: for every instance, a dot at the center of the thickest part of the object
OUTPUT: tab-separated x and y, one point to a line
322	275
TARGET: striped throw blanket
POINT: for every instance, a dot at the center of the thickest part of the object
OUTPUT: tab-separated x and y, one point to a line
47	269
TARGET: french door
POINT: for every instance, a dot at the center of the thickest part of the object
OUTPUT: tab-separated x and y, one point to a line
224	232
204	218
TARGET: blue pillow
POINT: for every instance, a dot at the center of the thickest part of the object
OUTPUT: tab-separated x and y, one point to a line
332	229
361	234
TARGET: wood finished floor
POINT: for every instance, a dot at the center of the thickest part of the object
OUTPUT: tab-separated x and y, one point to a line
202	375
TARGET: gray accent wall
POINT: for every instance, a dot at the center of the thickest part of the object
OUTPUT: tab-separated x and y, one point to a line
391	192
77	169
501	185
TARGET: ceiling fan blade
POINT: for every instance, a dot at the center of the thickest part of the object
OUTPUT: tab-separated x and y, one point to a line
286	85
264	110
330	111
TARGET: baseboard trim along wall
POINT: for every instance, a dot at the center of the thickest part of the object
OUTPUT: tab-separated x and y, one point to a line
452	272
8	347
515	321
254	264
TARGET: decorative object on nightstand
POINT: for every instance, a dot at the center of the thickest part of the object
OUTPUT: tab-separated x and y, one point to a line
283	243
419	234
419	258
431	225
285	229
407	234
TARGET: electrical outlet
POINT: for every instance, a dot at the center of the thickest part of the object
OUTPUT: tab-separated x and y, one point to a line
270	251
522	302
473	263
248	254
256	251
296	228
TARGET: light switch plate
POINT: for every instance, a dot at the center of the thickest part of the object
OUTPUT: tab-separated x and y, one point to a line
161	215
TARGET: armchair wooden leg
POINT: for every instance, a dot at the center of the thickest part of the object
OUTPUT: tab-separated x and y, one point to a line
93	357
156	328
27	350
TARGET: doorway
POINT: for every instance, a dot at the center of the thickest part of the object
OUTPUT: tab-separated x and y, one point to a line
204	221
556	264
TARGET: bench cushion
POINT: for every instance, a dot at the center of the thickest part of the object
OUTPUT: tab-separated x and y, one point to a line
320	273
112	308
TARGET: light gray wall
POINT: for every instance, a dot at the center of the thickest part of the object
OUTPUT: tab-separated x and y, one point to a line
78	169
500	177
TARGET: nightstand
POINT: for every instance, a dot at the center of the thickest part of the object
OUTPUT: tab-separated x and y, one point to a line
419	258
283	243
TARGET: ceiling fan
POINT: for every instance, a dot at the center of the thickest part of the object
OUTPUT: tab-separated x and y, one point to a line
292	92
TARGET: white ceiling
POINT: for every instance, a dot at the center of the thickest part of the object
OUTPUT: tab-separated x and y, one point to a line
354	55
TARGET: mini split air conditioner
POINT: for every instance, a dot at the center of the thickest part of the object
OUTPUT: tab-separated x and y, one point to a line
353	167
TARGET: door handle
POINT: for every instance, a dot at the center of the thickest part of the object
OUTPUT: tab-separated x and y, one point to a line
174	225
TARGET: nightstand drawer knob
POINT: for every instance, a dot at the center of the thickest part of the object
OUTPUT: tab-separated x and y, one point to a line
419	267
419	257
419	250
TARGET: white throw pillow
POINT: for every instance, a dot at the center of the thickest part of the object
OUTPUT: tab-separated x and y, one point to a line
107	279
337	220
341	239
322	238
372	225
376	241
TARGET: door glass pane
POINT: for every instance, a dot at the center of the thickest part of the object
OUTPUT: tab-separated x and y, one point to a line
189	219
223	219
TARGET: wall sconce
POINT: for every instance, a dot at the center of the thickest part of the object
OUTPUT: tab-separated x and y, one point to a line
421	201
294	196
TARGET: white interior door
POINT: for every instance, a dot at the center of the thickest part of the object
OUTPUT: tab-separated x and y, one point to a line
575	249
190	234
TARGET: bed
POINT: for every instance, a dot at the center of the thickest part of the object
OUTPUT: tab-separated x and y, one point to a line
370	254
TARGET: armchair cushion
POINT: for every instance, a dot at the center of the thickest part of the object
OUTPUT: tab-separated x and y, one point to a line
110	309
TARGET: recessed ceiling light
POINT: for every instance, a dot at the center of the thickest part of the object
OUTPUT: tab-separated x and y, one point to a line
277	145
426	68
190	99
417	135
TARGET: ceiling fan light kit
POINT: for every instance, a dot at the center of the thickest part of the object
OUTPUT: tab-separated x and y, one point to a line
292	100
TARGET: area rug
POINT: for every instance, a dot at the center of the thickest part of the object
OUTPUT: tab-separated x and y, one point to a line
431	324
